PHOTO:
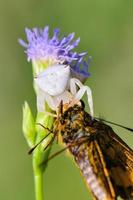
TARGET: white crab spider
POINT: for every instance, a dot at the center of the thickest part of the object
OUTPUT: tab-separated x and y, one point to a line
55	84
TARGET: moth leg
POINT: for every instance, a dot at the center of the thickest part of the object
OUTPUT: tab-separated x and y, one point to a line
33	148
78	142
50	143
79	94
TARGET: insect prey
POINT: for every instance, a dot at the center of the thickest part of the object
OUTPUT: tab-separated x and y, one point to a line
104	159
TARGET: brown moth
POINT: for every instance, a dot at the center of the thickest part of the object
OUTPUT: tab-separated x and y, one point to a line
104	159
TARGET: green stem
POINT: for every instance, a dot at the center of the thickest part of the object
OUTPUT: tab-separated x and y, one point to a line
39	155
38	181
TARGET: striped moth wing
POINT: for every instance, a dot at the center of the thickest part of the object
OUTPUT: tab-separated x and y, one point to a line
106	163
105	160
93	168
118	157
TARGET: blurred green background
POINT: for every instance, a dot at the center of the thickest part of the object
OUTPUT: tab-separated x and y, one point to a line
106	31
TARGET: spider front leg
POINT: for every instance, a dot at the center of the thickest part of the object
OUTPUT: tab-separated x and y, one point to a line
42	99
78	94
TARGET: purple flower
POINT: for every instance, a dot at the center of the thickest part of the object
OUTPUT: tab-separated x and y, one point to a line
80	69
47	51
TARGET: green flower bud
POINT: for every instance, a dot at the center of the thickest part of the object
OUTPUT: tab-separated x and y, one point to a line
28	125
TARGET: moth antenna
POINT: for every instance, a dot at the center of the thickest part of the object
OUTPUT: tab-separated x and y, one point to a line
127	128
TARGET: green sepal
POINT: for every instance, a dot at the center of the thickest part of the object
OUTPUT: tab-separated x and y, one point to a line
28	125
39	155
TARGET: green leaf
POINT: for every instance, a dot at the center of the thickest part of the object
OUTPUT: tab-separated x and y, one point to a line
28	125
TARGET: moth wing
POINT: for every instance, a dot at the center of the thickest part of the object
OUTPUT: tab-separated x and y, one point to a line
99	166
119	160
91	163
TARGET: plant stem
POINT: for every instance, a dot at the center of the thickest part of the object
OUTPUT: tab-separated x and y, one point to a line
38	181
39	155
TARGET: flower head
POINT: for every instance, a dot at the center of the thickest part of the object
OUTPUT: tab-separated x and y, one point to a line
54	50
45	51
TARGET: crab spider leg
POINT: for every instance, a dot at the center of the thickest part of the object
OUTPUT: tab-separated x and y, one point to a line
43	98
73	88
50	101
79	94
40	101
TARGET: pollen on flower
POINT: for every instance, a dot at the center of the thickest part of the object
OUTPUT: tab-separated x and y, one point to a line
45	51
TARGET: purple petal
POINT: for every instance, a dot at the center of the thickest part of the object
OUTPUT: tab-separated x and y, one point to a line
29	35
41	46
23	43
46	32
